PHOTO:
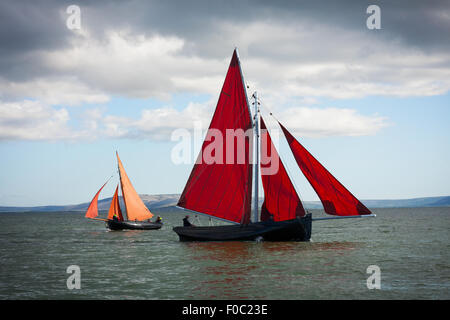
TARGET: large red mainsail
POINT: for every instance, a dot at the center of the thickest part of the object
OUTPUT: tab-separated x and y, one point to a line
218	185
280	198
336	199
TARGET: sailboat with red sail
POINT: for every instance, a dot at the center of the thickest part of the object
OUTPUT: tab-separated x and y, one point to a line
222	181
137	214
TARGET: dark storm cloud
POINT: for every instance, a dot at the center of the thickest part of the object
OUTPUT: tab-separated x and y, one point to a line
33	24
25	28
422	24
30	27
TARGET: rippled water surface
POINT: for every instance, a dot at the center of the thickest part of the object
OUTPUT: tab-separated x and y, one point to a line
411	247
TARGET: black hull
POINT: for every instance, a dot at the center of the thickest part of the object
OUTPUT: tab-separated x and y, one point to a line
132	225
289	230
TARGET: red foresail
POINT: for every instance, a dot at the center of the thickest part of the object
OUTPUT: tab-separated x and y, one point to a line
336	199
92	210
114	208
280	198
220	183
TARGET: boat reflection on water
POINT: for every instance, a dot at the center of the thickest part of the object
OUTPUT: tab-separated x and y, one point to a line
240	270
231	251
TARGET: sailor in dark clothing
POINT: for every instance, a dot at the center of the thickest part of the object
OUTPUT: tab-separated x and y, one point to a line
158	220
115	218
186	222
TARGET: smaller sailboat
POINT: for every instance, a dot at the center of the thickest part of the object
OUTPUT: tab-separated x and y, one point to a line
138	215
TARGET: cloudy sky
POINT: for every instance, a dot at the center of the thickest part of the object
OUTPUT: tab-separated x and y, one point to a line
371	104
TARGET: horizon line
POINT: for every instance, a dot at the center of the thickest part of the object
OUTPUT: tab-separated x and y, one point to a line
177	194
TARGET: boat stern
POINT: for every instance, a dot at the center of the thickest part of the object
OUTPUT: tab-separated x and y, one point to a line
306	222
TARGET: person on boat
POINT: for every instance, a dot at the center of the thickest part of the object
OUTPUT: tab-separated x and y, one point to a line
158	220
186	222
115	218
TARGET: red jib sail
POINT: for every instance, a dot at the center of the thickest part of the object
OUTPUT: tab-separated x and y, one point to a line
114	208
280	198
220	183
336	199
92	210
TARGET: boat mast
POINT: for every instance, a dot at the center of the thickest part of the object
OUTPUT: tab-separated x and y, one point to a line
121	186
256	199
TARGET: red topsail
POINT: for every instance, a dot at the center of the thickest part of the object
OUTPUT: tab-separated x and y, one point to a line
336	199
219	185
280	198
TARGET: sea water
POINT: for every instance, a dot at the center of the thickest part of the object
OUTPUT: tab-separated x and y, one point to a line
410	246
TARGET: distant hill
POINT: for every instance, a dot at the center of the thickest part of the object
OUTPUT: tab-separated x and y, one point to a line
409	203
169	200
151	201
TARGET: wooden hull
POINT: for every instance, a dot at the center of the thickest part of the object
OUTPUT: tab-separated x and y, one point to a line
132	225
289	230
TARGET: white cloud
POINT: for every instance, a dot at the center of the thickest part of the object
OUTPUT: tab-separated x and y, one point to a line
32	120
67	91
308	59
158	124
315	122
135	65
291	59
294	65
36	121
